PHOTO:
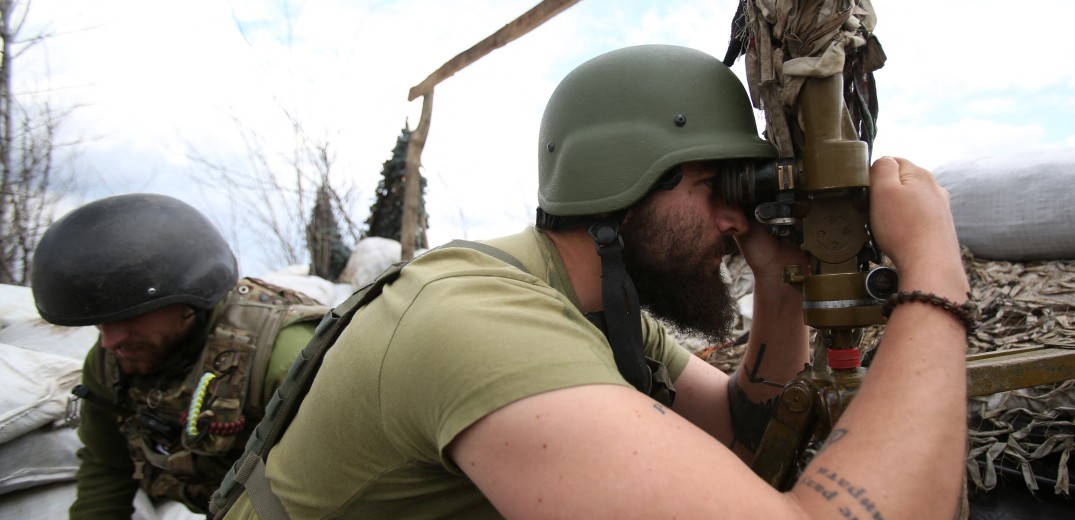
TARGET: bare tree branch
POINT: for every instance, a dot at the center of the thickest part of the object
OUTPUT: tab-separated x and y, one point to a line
275	189
29	185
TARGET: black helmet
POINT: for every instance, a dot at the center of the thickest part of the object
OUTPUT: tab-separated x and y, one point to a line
122	256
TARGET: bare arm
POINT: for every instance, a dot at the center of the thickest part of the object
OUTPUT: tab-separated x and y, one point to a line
913	401
736	410
603	451
778	349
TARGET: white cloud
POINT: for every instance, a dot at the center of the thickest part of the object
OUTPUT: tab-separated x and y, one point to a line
959	79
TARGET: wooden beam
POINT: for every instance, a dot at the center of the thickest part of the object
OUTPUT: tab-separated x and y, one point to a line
1002	370
536	16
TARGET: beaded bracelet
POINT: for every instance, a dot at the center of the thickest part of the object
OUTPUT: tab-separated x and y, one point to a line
967	312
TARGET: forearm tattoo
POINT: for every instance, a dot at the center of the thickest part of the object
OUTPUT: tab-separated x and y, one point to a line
851	499
749	417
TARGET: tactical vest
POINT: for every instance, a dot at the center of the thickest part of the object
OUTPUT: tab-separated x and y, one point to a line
183	438
248	472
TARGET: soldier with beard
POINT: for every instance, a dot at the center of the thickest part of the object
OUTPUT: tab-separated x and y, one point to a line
536	384
187	354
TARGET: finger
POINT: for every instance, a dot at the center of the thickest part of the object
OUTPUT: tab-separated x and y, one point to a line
885	172
911	172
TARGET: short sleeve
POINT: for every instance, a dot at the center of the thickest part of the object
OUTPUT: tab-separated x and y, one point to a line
498	341
660	345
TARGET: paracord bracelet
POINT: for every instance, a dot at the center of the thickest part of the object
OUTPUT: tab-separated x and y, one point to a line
967	312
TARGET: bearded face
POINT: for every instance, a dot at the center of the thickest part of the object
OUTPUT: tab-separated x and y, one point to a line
673	259
142	343
144	356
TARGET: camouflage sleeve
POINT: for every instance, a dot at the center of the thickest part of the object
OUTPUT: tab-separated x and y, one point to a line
105	482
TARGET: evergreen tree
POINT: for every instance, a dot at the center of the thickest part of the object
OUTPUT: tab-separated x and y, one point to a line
386	214
328	253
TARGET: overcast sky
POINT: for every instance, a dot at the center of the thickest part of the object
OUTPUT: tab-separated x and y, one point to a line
154	81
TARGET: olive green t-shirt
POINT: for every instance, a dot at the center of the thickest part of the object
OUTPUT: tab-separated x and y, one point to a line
457	336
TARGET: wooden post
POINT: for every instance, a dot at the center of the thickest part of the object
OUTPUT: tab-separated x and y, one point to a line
412	186
529	20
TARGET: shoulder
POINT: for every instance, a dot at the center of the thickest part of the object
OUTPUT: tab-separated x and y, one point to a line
473	295
253	300
256	289
446	262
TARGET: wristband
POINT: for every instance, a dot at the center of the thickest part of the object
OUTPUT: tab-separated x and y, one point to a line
966	312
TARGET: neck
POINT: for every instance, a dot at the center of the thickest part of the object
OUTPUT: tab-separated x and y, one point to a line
583	265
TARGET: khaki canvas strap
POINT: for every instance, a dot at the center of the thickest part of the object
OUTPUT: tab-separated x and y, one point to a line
249	471
252	476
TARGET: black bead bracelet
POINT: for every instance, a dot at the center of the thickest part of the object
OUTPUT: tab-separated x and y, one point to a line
967	312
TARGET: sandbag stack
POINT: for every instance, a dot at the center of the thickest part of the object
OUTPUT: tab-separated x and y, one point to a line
39	365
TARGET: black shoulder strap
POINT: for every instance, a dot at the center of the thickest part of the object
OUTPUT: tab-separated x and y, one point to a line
248	472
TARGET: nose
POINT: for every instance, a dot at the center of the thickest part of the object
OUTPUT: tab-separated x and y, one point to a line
112	334
731	220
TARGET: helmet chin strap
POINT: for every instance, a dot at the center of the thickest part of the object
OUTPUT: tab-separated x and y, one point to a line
622	316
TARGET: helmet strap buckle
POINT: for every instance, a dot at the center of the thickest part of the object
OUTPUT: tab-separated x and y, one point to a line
621	307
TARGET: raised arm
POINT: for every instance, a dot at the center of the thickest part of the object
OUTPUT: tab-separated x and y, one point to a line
737	409
904	435
604	451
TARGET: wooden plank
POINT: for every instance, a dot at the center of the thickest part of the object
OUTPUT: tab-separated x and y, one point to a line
993	372
529	20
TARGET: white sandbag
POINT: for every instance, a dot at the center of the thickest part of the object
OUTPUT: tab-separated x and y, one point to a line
16	303
39	503
1015	207
53	501
36	387
43	456
42	336
21	326
371	256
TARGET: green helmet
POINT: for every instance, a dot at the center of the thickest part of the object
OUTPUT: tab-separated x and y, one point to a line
122	256
621	120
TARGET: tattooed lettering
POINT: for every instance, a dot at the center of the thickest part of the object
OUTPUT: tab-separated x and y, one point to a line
812	484
831	479
659	407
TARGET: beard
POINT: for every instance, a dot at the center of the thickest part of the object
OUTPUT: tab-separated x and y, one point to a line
671	263
144	356
140	357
